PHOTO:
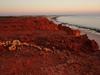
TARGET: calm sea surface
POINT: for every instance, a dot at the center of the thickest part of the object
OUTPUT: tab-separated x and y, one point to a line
86	21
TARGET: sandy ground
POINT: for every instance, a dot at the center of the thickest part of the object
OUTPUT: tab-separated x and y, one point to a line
92	36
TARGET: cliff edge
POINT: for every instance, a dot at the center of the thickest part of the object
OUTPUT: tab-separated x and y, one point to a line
37	46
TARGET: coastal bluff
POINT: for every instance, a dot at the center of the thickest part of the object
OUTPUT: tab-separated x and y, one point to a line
37	46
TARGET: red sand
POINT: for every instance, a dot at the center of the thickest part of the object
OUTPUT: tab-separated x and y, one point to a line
52	49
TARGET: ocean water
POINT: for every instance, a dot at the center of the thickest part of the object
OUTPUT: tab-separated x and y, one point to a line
89	25
86	22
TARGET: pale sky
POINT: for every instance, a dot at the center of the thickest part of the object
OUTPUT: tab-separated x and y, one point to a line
29	7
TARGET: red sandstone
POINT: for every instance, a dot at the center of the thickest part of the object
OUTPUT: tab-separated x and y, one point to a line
48	48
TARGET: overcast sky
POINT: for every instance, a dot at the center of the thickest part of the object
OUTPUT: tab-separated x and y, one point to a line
29	7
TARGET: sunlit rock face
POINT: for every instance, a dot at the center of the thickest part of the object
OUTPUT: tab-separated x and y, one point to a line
76	33
68	30
37	46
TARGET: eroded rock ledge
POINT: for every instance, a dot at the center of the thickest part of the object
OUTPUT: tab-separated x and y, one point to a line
37	46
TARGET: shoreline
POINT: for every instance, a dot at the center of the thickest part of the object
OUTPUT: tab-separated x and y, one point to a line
41	47
76	25
91	36
91	33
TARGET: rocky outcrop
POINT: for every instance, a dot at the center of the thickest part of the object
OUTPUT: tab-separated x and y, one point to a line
68	30
37	46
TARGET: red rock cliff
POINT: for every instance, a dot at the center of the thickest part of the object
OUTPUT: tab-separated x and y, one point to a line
37	46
